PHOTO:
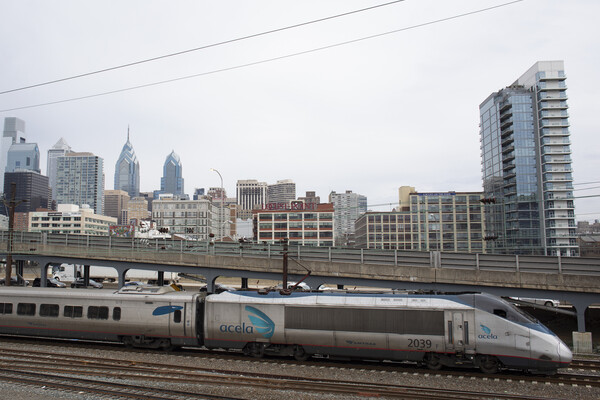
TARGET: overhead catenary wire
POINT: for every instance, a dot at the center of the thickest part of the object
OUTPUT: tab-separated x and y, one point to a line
179	53
266	60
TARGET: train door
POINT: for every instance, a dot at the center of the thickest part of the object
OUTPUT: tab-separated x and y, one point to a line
458	330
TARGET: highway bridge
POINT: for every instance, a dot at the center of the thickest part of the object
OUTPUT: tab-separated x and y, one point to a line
572	279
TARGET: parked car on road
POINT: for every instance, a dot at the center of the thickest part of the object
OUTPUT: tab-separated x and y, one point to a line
13	281
542	302
50	282
79	283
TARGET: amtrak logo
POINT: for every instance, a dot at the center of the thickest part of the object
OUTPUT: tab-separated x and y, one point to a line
163	310
261	322
488	333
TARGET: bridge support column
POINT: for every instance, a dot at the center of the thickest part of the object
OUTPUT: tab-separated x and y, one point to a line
44	266
161	278
86	275
244	283
580	307
19	271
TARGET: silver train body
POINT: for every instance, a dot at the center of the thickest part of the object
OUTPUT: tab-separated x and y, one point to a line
435	330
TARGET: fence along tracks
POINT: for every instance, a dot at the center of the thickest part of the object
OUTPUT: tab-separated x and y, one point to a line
73	372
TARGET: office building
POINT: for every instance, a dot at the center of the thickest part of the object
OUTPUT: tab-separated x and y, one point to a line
172	179
14	132
23	156
192	219
80	180
30	186
300	223
250	193
310	198
526	165
58	150
284	191
348	207
127	171
136	211
448	221
115	201
71	219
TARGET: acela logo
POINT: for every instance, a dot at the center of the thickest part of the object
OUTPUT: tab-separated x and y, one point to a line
488	333
260	321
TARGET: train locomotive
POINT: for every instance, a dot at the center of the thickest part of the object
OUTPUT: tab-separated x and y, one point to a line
439	330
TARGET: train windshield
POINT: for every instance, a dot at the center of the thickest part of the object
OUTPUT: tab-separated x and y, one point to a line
502	308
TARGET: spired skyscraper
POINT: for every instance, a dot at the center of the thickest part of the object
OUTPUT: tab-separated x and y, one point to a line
127	171
172	179
526	165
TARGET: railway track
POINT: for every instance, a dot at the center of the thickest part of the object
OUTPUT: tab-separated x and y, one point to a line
50	366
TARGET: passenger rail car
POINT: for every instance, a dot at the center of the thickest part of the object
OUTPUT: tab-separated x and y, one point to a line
155	317
434	330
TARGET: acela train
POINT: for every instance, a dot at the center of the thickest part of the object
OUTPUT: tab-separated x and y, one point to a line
435	330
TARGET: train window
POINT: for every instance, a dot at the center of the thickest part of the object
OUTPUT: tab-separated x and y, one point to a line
499	312
73	311
418	322
49	310
117	313
26	309
6	308
97	312
177	316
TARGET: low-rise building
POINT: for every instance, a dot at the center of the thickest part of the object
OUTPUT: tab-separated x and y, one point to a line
303	224
192	219
449	221
71	219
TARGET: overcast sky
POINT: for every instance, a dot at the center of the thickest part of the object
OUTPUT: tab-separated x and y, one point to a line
370	116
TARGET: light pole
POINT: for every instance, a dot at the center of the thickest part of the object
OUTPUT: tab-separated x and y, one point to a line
221	224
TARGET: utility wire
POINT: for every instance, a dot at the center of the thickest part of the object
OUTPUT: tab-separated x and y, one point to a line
586	183
202	47
588	188
267	60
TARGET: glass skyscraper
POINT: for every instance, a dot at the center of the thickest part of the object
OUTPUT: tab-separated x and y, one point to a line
127	171
172	179
526	165
59	149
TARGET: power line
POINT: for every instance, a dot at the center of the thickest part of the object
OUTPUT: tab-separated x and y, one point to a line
585	183
265	60
588	188
201	47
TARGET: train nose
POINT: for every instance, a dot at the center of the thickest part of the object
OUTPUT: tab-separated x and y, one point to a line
564	353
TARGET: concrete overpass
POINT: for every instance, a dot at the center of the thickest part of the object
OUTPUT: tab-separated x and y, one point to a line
575	280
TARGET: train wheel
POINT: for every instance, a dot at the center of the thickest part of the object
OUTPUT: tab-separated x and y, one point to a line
433	361
256	350
300	354
489	364
127	341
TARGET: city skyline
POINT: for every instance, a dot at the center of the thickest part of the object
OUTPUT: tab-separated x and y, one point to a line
368	117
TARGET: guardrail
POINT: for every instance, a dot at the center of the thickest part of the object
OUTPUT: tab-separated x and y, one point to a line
29	242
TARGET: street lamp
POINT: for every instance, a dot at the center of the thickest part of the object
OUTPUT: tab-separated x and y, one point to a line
222	201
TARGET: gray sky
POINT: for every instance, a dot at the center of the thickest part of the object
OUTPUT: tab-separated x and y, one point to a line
371	116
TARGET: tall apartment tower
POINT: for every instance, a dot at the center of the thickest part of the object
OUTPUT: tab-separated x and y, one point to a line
14	132
526	165
249	194
172	179
80	180
58	150
127	171
284	191
347	208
